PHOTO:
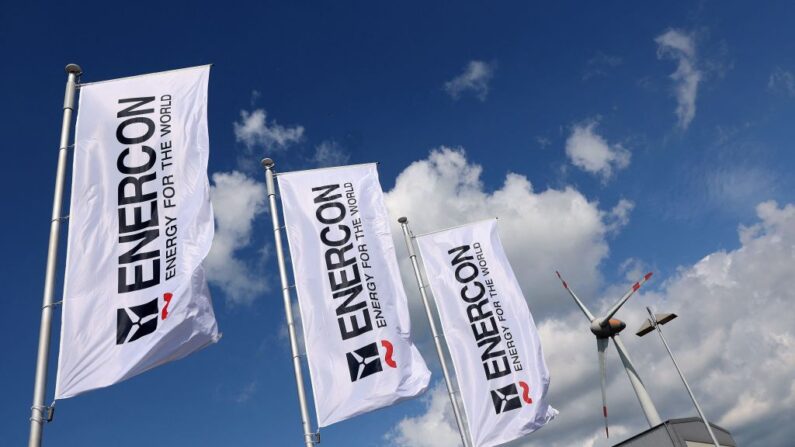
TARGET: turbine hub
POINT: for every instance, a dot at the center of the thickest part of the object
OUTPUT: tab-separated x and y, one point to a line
613	327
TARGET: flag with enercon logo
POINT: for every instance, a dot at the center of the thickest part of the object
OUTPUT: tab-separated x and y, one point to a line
135	295
353	306
491	335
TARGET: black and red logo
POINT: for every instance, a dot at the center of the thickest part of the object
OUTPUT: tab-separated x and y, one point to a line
366	360
139	321
507	397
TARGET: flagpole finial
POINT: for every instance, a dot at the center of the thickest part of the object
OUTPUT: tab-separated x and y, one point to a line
74	68
267	163
403	220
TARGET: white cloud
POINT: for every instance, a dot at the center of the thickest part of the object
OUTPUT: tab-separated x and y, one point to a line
543	231
475	78
591	152
782	80
237	201
734	337
633	268
734	326
679	46
618	217
435	427
329	153
254	130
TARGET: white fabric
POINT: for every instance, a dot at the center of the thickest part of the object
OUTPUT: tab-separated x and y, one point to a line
480	302
340	244
114	325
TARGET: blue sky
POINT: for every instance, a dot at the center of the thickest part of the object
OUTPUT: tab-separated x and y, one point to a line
655	136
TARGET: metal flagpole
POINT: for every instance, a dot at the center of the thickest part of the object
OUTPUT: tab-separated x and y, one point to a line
39	411
309	436
404	223
656	325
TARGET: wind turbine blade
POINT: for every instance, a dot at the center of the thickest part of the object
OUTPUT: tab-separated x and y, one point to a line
601	345
644	399
584	309
620	302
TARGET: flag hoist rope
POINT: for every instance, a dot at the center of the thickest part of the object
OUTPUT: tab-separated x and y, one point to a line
404	223
38	410
310	438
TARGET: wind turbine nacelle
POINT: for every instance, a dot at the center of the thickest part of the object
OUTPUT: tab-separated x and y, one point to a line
613	327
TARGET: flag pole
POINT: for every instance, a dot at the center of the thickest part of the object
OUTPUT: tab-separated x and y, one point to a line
38	412
404	223
310	438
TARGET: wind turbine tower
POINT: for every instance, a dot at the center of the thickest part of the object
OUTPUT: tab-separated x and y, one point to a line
607	328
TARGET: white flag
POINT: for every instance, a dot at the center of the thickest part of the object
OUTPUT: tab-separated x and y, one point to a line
491	335
140	224
353	306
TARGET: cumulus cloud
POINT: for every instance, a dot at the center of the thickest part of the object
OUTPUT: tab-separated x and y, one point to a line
543	231
733	339
255	131
680	47
782	81
734	327
435	427
237	201
475	78
590	152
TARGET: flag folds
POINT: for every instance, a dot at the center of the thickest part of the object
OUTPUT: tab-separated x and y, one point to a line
135	295
491	335
353	306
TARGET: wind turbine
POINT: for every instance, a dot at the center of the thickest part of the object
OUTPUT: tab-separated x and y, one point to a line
606	328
